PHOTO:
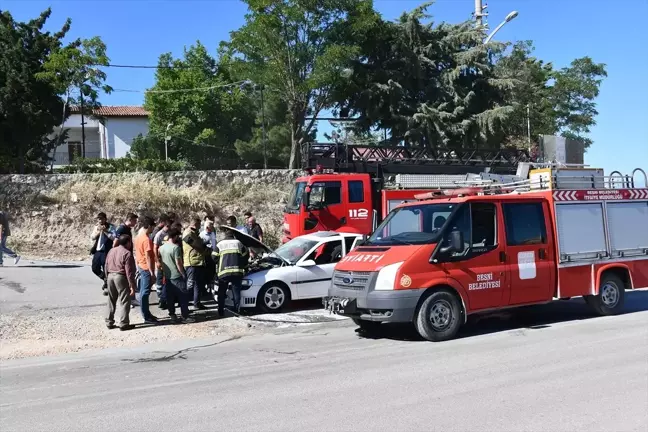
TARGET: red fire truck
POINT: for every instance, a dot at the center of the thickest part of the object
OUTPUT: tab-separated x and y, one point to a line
559	233
348	188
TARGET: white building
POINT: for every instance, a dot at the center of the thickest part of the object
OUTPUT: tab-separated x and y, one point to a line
108	138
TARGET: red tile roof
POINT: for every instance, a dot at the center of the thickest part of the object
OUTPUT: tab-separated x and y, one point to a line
116	111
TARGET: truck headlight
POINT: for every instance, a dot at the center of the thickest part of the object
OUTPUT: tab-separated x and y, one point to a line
246	284
387	277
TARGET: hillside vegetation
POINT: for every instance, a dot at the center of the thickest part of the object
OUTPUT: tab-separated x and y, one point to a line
53	215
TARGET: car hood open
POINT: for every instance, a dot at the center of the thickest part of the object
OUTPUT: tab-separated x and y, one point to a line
247	240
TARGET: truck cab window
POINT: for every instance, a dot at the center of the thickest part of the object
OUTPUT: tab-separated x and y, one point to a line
326	193
356	191
478	224
484	225
525	224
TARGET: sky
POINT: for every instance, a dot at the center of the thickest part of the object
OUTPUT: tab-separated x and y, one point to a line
610	31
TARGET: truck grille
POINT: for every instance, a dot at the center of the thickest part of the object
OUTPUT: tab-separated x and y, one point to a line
356	281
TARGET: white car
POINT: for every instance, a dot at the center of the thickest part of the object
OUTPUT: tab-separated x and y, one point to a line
299	269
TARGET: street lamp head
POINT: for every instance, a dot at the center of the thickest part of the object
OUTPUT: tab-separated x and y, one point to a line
511	16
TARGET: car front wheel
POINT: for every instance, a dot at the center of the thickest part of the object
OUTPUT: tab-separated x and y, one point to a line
273	297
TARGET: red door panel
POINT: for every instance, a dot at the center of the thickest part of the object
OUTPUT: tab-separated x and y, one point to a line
530	257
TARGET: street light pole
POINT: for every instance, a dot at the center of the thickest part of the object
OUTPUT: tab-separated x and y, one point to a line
508	18
479	13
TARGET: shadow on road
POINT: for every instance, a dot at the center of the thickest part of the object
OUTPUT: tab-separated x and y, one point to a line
50	266
527	318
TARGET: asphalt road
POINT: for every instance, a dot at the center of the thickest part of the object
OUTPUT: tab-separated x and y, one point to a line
548	368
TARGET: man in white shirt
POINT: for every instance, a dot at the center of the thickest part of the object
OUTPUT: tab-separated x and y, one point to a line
208	236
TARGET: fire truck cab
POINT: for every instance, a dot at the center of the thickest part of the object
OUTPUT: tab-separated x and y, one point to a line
560	233
350	188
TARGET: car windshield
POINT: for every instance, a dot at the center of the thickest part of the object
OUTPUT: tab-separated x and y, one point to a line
420	224
295	249
294	201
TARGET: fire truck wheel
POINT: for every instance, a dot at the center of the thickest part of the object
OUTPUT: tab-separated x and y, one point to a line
609	300
368	326
273	297
439	317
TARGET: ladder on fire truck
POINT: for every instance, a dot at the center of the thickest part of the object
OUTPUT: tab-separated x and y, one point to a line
598	217
389	159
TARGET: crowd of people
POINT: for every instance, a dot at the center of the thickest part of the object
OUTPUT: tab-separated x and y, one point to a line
184	264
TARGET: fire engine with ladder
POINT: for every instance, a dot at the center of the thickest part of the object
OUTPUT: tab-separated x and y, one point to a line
351	188
556	232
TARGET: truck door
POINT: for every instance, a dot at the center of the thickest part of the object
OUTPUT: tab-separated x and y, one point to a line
529	257
359	209
326	209
480	266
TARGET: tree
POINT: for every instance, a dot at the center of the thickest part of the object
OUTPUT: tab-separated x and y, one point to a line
432	86
572	95
74	67
558	101
299	48
204	113
35	70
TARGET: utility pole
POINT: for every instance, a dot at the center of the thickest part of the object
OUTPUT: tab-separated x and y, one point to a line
479	13
263	131
529	126
83	147
166	143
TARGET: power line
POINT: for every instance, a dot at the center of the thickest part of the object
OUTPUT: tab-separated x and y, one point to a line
186	90
146	66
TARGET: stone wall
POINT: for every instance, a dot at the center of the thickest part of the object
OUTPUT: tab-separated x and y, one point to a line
52	215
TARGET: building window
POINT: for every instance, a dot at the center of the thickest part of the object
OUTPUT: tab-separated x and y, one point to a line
74	150
356	191
525	224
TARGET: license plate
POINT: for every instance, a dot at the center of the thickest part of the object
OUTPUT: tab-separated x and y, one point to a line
341	305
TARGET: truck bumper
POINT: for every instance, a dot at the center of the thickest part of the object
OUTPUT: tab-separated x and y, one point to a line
382	306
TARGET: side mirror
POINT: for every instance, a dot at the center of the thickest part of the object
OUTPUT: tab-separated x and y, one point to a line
305	197
456	243
307	263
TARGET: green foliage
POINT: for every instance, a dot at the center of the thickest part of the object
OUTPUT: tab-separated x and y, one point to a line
35	69
122	165
203	125
558	101
440	86
299	48
428	85
147	147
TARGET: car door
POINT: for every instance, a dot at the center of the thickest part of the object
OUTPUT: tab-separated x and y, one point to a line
530	259
313	281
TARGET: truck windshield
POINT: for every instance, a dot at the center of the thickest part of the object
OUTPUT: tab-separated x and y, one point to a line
294	201
419	224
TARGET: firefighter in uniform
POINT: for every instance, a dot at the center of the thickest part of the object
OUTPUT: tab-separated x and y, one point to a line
232	258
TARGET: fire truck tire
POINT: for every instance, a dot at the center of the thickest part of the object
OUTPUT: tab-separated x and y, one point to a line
368	326
609	300
439	317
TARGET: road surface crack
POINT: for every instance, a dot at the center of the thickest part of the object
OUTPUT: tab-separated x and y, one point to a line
180	354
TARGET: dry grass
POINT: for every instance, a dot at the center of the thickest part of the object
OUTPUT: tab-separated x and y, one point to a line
56	224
